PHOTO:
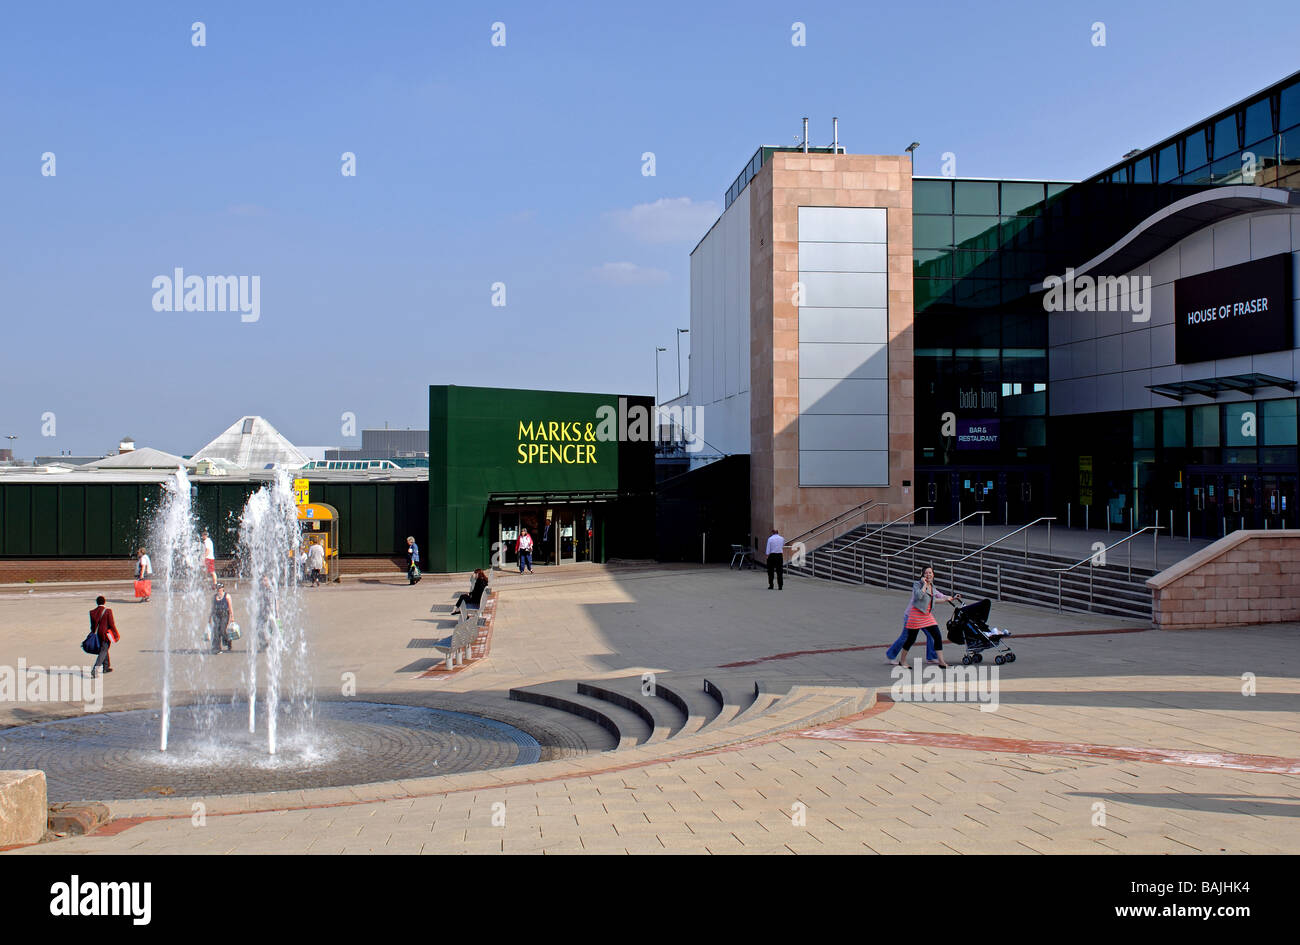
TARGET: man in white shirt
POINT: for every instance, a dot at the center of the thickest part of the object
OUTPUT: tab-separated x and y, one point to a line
209	557
775	560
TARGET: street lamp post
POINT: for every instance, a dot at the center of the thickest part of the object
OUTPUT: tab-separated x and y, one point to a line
658	351
680	332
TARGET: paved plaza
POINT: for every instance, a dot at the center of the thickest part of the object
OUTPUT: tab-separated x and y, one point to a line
1107	736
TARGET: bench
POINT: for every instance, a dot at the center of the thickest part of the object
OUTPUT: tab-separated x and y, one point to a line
471	633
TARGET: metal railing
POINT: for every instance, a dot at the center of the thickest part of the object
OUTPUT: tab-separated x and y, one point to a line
1060	572
1049	519
838	520
912	547
861	559
880	529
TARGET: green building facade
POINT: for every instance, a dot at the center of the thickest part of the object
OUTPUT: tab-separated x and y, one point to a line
574	469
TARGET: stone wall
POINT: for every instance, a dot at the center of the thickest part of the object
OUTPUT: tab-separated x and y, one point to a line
786	183
1248	577
45	570
23	810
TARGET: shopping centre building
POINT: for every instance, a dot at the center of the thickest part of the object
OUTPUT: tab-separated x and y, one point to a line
1122	347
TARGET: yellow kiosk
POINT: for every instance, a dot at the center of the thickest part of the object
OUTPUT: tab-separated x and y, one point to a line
320	521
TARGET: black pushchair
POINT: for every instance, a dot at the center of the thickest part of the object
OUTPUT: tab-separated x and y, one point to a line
969	627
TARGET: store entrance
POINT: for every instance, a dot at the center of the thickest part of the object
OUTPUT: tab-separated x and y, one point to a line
1223	499
1277	503
936	491
978	493
561	534
1025	497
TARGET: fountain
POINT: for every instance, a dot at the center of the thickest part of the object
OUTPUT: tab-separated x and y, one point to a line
178	553
269	537
230	724
270	597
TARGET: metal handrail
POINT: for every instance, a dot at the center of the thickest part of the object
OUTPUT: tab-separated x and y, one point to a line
1155	561
924	508
1049	519
1045	518
921	541
862	561
837	520
912	547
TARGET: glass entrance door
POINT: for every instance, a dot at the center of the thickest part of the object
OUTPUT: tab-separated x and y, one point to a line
507	538
978	491
935	489
1278	501
1239	500
1026	495
566	520
1205	494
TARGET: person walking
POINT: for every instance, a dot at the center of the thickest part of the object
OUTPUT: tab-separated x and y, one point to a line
209	557
524	550
219	619
315	561
920	616
143	577
775	560
101	621
475	597
412	560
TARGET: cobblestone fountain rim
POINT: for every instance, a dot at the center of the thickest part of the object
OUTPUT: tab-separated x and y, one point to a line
113	755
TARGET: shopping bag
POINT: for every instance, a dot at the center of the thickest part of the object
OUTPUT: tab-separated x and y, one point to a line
144	588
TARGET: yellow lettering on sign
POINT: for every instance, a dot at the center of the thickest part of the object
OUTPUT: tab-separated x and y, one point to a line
560	442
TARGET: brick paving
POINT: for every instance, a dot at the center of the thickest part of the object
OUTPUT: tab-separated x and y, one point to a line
1216	693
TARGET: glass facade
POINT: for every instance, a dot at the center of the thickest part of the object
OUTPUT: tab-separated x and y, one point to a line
980	342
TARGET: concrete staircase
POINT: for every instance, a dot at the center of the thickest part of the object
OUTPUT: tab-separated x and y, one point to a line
673	713
1005	574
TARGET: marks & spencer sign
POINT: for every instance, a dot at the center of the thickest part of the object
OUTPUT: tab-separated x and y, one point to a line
1240	310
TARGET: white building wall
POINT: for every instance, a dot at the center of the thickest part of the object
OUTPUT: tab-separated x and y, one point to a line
719	340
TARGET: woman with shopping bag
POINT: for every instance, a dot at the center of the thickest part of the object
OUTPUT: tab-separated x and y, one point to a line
143	577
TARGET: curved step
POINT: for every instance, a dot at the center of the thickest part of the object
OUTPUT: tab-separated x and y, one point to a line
627	727
690	697
731	694
661	716
765	694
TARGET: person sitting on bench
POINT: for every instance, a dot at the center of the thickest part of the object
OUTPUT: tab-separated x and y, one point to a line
474	596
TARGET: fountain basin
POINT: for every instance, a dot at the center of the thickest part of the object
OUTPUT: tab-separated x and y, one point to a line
115	755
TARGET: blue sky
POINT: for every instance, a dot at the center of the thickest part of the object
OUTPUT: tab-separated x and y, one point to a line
479	164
